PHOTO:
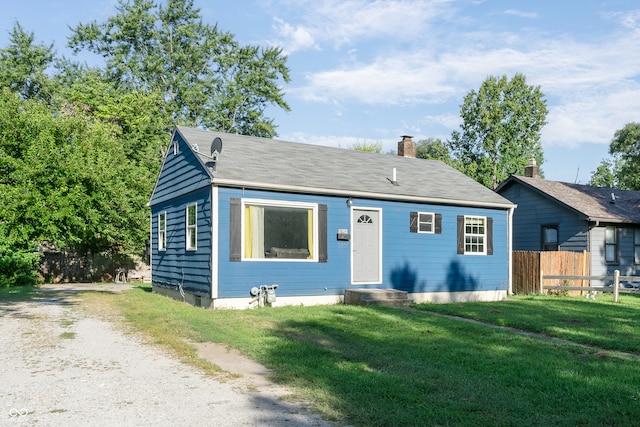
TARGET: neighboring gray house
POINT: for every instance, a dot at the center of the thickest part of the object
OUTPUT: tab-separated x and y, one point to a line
230	213
555	215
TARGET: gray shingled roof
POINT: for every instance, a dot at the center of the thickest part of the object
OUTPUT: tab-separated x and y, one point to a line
593	202
288	166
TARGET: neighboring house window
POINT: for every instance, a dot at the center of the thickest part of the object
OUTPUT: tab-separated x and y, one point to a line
636	245
475	235
550	237
425	222
192	227
176	148
611	245
271	230
162	231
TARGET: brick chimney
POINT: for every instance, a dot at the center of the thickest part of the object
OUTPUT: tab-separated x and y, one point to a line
532	170
407	147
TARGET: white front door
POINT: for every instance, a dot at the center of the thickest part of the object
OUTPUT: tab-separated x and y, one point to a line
366	246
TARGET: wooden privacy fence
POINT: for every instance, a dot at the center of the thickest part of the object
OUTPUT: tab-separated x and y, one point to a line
615	286
528	265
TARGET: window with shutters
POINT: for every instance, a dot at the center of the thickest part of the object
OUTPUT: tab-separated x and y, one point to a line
425	222
475	235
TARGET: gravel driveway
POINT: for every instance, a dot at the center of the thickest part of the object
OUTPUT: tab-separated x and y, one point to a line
59	365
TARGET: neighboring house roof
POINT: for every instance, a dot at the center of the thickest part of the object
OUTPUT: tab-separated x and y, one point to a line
595	203
254	162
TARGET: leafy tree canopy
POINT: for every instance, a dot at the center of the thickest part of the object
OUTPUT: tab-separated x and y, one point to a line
501	129
605	174
374	147
433	149
625	147
206	78
66	180
23	65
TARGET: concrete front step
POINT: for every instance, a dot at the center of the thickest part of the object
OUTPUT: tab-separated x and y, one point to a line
387	302
384	297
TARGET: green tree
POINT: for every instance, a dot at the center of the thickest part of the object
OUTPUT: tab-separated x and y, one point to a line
605	174
433	149
66	180
625	147
373	147
500	130
23	65
137	116
206	78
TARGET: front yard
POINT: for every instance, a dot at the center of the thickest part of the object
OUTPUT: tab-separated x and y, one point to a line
394	367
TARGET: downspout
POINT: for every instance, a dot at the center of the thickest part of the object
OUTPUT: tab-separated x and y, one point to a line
510	250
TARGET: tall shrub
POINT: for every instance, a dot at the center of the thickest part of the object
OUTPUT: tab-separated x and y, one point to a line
18	267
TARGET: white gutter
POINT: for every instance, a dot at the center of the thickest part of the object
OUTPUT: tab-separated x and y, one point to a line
362	194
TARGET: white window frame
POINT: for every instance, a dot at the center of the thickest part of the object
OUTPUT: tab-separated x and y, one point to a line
482	236
162	231
636	245
613	243
176	148
191	229
279	203
431	222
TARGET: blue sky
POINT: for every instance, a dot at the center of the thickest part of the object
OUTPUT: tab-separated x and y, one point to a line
370	71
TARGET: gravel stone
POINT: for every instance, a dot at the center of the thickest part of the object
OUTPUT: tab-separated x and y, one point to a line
62	366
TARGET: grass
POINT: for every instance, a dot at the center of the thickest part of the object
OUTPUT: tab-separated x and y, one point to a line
600	323
374	366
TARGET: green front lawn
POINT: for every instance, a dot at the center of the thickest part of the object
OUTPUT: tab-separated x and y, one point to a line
392	367
367	366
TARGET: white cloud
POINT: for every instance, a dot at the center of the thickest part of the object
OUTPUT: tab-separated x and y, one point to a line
293	38
399	79
424	52
344	22
327	140
629	19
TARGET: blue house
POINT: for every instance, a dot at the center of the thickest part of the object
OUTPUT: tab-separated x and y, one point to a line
230	213
554	215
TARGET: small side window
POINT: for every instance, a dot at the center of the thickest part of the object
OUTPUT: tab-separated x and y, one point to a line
162	231
192	227
550	237
611	245
425	222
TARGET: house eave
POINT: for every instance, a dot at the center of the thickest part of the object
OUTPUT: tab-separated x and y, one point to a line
598	221
350	193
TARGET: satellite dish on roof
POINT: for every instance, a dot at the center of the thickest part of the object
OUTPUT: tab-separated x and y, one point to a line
216	148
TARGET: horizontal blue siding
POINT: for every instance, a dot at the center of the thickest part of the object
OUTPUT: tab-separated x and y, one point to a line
177	265
181	174
626	257
534	210
411	261
182	181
